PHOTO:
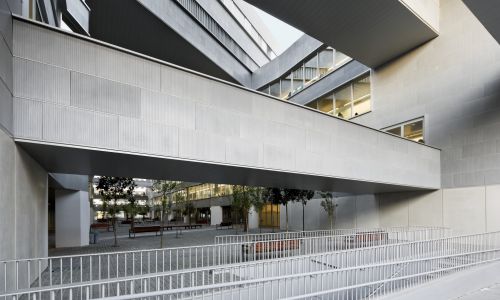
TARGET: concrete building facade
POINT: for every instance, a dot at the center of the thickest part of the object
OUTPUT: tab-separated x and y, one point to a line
193	107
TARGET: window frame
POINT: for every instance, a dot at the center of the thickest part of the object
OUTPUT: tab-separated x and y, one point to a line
401	128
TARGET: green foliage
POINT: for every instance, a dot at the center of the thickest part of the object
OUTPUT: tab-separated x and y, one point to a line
329	206
165	188
113	189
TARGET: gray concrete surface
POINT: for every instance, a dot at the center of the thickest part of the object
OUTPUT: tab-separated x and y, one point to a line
479	283
152	109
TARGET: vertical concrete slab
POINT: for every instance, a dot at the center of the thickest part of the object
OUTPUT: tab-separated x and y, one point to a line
345	216
367	215
72	218
7	197
215	215
493	208
394	209
426	209
253	219
31	214
464	209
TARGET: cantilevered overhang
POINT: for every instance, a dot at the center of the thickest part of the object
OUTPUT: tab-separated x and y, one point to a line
110	111
372	32
488	13
165	30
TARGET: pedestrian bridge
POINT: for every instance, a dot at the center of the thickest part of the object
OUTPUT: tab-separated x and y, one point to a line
81	106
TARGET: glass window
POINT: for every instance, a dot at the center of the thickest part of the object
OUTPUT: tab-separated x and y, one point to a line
274	89
325	61
361	96
340	59
264	89
313	104
414	131
395	130
311	70
298	79
343	98
325	104
286	86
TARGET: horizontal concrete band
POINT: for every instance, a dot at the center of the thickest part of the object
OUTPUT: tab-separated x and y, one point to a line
74	92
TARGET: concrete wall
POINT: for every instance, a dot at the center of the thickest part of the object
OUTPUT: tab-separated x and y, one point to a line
452	81
77	92
23	183
72	218
465	210
6	66
23	203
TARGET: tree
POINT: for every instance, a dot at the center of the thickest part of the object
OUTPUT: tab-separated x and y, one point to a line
111	190
242	203
143	211
329	206
188	210
165	189
303	197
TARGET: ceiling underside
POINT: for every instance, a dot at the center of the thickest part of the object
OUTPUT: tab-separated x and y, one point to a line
130	25
488	13
67	160
372	32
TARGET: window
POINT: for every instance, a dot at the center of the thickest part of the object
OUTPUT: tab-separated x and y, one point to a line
309	71
274	89
361	96
340	59
325	61
412	130
298	79
286	87
347	101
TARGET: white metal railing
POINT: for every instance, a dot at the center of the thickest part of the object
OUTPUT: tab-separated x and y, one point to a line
426	232
53	271
379	266
357	282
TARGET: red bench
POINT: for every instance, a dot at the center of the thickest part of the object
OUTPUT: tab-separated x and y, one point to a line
270	248
142	229
106	226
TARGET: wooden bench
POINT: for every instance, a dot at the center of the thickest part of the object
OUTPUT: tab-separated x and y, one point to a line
106	226
228	225
367	238
186	226
141	229
269	248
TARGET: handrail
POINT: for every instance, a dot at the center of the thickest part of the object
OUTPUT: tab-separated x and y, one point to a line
246	284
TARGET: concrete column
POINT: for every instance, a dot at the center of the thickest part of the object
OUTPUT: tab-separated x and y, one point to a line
215	215
253	219
72	218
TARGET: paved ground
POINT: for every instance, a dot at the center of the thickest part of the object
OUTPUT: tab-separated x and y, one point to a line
191	237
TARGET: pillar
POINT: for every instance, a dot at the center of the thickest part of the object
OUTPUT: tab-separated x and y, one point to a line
215	215
72	218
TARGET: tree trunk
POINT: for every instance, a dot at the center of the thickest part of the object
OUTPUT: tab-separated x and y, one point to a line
114	230
162	223
303	217
286	212
272	217
331	223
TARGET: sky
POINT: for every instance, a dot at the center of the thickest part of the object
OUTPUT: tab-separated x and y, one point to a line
284	34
